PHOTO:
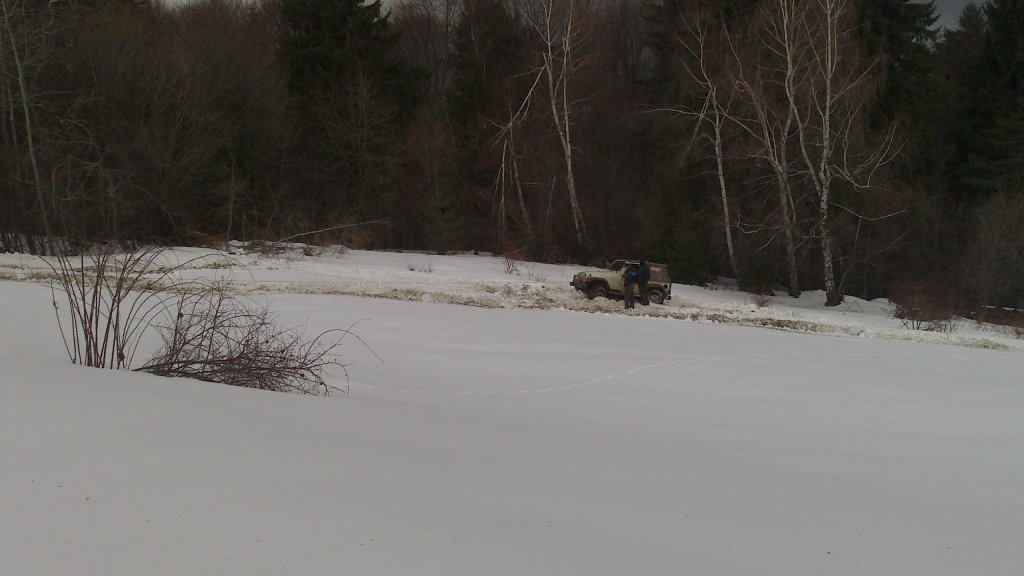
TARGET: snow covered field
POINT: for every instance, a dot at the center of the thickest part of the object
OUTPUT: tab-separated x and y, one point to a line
531	431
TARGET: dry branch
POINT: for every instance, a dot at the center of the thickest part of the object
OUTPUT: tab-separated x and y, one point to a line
216	337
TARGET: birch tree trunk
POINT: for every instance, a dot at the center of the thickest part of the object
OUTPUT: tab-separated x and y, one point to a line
717	121
789	232
787	33
554	72
558	97
715	114
817	119
772	125
527	225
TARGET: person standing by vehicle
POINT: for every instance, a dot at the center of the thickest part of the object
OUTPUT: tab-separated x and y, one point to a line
631	276
644	276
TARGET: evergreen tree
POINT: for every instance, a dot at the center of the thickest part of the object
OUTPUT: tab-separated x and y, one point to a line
946	109
664	18
327	43
998	163
989	84
1002	142
667	20
1004	51
487	52
900	34
676	233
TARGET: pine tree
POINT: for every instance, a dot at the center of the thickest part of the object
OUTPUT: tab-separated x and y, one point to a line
949	109
1004	51
327	43
991	86
487	52
998	166
900	34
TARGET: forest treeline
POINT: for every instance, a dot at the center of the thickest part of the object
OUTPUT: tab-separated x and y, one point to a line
844	145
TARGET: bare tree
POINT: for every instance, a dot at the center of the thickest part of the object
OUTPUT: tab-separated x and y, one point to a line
508	177
818	41
25	99
215	336
711	118
111	299
770	125
804	84
559	31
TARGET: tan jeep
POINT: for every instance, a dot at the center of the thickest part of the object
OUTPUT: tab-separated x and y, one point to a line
609	283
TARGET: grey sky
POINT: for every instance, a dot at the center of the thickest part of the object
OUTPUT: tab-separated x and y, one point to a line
949	11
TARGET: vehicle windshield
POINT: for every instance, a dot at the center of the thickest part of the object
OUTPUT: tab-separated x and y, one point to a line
620	264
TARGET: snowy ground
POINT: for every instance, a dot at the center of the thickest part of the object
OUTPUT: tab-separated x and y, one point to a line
530	431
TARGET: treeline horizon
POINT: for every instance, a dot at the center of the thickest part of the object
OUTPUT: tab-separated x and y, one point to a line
839	145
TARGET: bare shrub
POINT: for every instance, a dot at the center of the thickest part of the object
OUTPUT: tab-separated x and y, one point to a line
919	309
533	275
110	302
428	268
215	337
113	298
762	300
1010	323
511	265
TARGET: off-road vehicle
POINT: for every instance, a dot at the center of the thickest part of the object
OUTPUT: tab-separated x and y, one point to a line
609	283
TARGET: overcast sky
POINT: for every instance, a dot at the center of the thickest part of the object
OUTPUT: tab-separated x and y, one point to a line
949	11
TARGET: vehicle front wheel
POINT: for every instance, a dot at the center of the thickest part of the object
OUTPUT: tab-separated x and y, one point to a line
597	291
655	297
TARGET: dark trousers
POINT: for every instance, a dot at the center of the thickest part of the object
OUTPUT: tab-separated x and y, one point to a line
627	294
643	293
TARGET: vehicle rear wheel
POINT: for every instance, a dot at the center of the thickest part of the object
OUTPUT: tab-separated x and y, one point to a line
655	297
597	291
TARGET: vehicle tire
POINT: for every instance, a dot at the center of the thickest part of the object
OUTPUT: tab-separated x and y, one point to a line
598	290
655	296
